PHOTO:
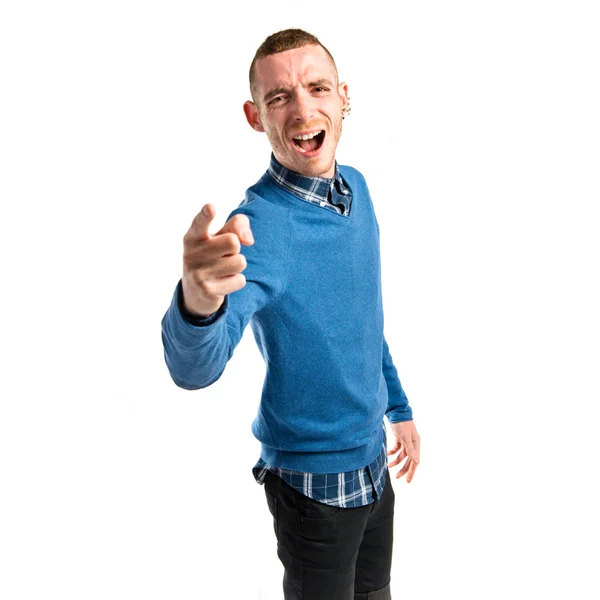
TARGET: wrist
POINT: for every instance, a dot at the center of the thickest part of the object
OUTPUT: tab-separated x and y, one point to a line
196	309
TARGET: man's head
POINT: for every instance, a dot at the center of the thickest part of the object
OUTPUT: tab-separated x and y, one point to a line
296	94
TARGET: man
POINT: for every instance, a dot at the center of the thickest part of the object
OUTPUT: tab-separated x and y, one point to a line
307	241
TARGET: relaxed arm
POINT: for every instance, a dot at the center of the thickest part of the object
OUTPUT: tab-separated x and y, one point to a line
398	408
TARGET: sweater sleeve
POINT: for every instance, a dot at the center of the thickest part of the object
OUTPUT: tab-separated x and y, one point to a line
398	408
196	353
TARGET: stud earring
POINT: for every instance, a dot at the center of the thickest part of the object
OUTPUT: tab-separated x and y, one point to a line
346	110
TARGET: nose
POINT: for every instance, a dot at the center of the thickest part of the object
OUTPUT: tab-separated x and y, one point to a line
303	107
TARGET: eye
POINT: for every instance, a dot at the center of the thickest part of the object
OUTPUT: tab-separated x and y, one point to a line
275	100
320	89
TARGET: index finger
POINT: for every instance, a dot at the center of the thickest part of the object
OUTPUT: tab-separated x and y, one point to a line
201	223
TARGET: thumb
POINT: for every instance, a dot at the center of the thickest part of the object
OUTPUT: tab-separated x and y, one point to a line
240	225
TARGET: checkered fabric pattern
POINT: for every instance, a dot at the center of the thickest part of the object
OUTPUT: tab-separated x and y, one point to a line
347	490
333	194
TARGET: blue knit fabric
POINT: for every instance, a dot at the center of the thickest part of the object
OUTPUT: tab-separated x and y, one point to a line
313	301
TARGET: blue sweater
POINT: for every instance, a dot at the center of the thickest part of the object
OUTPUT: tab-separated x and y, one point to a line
313	300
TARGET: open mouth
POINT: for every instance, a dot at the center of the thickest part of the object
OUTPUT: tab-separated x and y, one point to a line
309	142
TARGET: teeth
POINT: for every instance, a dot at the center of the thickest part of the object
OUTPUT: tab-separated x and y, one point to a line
309	136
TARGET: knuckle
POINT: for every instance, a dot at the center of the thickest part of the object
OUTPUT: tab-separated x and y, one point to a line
233	242
192	258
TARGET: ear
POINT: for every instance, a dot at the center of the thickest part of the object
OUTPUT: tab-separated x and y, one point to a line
252	116
343	92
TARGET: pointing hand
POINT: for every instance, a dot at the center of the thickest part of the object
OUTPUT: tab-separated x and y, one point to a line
212	263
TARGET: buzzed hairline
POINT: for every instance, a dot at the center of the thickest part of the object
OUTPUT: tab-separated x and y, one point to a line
281	41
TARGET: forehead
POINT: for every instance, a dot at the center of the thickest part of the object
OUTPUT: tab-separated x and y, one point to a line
300	65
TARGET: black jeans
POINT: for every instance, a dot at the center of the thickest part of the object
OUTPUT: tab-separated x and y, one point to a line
332	553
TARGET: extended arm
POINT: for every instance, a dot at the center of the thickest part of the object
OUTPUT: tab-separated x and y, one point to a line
197	349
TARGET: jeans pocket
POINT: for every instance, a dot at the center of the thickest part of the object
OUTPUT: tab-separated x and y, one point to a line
310	509
317	529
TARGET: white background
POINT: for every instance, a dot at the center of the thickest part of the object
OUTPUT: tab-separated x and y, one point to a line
477	127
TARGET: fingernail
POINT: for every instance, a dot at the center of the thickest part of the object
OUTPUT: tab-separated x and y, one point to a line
205	211
247	235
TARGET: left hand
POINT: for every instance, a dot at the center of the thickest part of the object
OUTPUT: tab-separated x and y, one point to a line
408	443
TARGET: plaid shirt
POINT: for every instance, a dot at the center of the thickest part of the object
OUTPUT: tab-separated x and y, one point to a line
351	488
333	194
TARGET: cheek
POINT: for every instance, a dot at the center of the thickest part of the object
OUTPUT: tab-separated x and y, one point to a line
277	129
275	135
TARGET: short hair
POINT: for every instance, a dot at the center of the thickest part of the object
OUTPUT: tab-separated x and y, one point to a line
287	39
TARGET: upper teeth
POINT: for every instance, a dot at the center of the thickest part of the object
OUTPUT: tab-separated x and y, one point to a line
308	136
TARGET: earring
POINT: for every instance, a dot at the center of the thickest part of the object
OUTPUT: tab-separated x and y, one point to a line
346	110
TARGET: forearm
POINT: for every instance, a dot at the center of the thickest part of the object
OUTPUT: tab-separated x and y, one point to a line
398	408
197	349
196	352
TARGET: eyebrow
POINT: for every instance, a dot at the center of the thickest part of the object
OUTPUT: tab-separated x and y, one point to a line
321	82
283	90
275	92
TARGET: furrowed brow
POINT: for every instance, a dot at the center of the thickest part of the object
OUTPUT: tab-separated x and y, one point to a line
321	82
274	92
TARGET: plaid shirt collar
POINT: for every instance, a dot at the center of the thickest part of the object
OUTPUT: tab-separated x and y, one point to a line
314	189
